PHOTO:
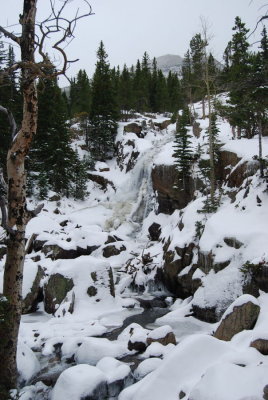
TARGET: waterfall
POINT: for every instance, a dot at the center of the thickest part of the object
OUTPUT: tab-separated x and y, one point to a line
134	200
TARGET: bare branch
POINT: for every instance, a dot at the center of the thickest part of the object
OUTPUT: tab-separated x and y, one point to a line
10	35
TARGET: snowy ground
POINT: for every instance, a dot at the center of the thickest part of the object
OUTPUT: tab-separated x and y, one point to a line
199	367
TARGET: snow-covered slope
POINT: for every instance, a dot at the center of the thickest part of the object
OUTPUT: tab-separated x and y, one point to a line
99	250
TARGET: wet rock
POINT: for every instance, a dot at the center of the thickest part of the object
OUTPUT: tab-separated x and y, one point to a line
132	160
31	300
154	231
138	346
112	250
237	318
55	291
138	337
261	345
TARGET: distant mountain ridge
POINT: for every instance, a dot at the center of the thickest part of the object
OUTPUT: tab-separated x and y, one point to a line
169	62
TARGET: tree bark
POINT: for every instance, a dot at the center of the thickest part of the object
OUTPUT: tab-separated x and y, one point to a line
17	211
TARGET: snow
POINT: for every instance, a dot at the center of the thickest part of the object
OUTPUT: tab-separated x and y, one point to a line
27	363
201	366
147	366
113	369
77	382
160	332
93	350
183	368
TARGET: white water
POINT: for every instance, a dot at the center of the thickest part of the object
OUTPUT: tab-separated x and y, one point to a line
134	200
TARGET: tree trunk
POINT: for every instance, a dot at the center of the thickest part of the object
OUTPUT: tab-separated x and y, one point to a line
17	211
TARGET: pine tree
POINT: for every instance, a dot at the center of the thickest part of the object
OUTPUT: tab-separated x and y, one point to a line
182	148
104	110
10	98
125	92
80	94
52	159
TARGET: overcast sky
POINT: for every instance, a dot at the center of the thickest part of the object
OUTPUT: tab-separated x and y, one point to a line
128	28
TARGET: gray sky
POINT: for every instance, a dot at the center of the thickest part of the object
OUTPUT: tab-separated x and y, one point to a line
128	28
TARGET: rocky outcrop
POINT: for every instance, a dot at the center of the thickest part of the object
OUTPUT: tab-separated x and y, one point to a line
55	291
163	125
238	317
154	231
163	335
112	250
35	294
256	278
55	252
169	197
135	128
261	345
234	173
207	314
100	180
126	158
181	285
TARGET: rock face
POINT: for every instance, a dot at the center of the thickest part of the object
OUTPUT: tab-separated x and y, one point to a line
162	335
112	250
154	231
126	158
164	178
55	252
243	316
55	291
29	303
100	180
181	285
230	170
135	128
163	125
261	345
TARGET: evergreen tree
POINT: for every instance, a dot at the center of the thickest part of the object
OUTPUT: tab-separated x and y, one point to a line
80	94
125	92
10	98
174	90
52	161
197	52
182	148
104	110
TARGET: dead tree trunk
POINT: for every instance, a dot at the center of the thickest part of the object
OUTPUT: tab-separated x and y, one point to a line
17	211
